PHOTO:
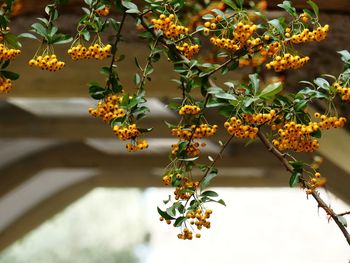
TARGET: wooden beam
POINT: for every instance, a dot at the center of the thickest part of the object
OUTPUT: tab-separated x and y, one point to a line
78	154
36	7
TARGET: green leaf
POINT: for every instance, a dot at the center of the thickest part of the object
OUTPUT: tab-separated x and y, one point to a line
226	96
168	200
131	7
189	159
240	3
342	220
39	29
61	39
5	64
294	179
286	5
248	101
137	79
222	202
219	13
182	148
52	31
211	174
210	193
144	130
214	90
11	40
301	105
271	90
164	214
105	71
345	56
118	121
179	221
213	103
97	92
86	35
171	211
208	17
317	133
88	2
9	74
277	24
320	82
227	110
178	3
230	3
255	81
314	7
297	166
27	35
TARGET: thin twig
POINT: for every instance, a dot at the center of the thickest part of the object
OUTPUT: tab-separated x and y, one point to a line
345	213
219	155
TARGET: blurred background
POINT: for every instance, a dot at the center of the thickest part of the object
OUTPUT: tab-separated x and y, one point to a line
69	192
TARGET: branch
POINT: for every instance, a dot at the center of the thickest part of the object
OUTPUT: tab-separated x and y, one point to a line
344	214
219	155
282	158
115	45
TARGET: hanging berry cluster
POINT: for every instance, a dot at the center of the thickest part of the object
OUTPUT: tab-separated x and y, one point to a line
5	85
91	24
299	137
8	53
9	48
96	51
48	62
170	29
343	91
108	109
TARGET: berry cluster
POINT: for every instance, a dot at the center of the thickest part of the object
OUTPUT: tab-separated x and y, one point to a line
183	191
306	35
95	51
186	234
126	133
191	150
5	85
344	91
235	127
224	43
108	109
271	49
260	118
287	61
189	110
48	62
330	122
212	24
240	37
194	132
199	218
254	45
243	32
136	146
297	137
103	11
8	54
315	181
188	50
167	25
184	185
